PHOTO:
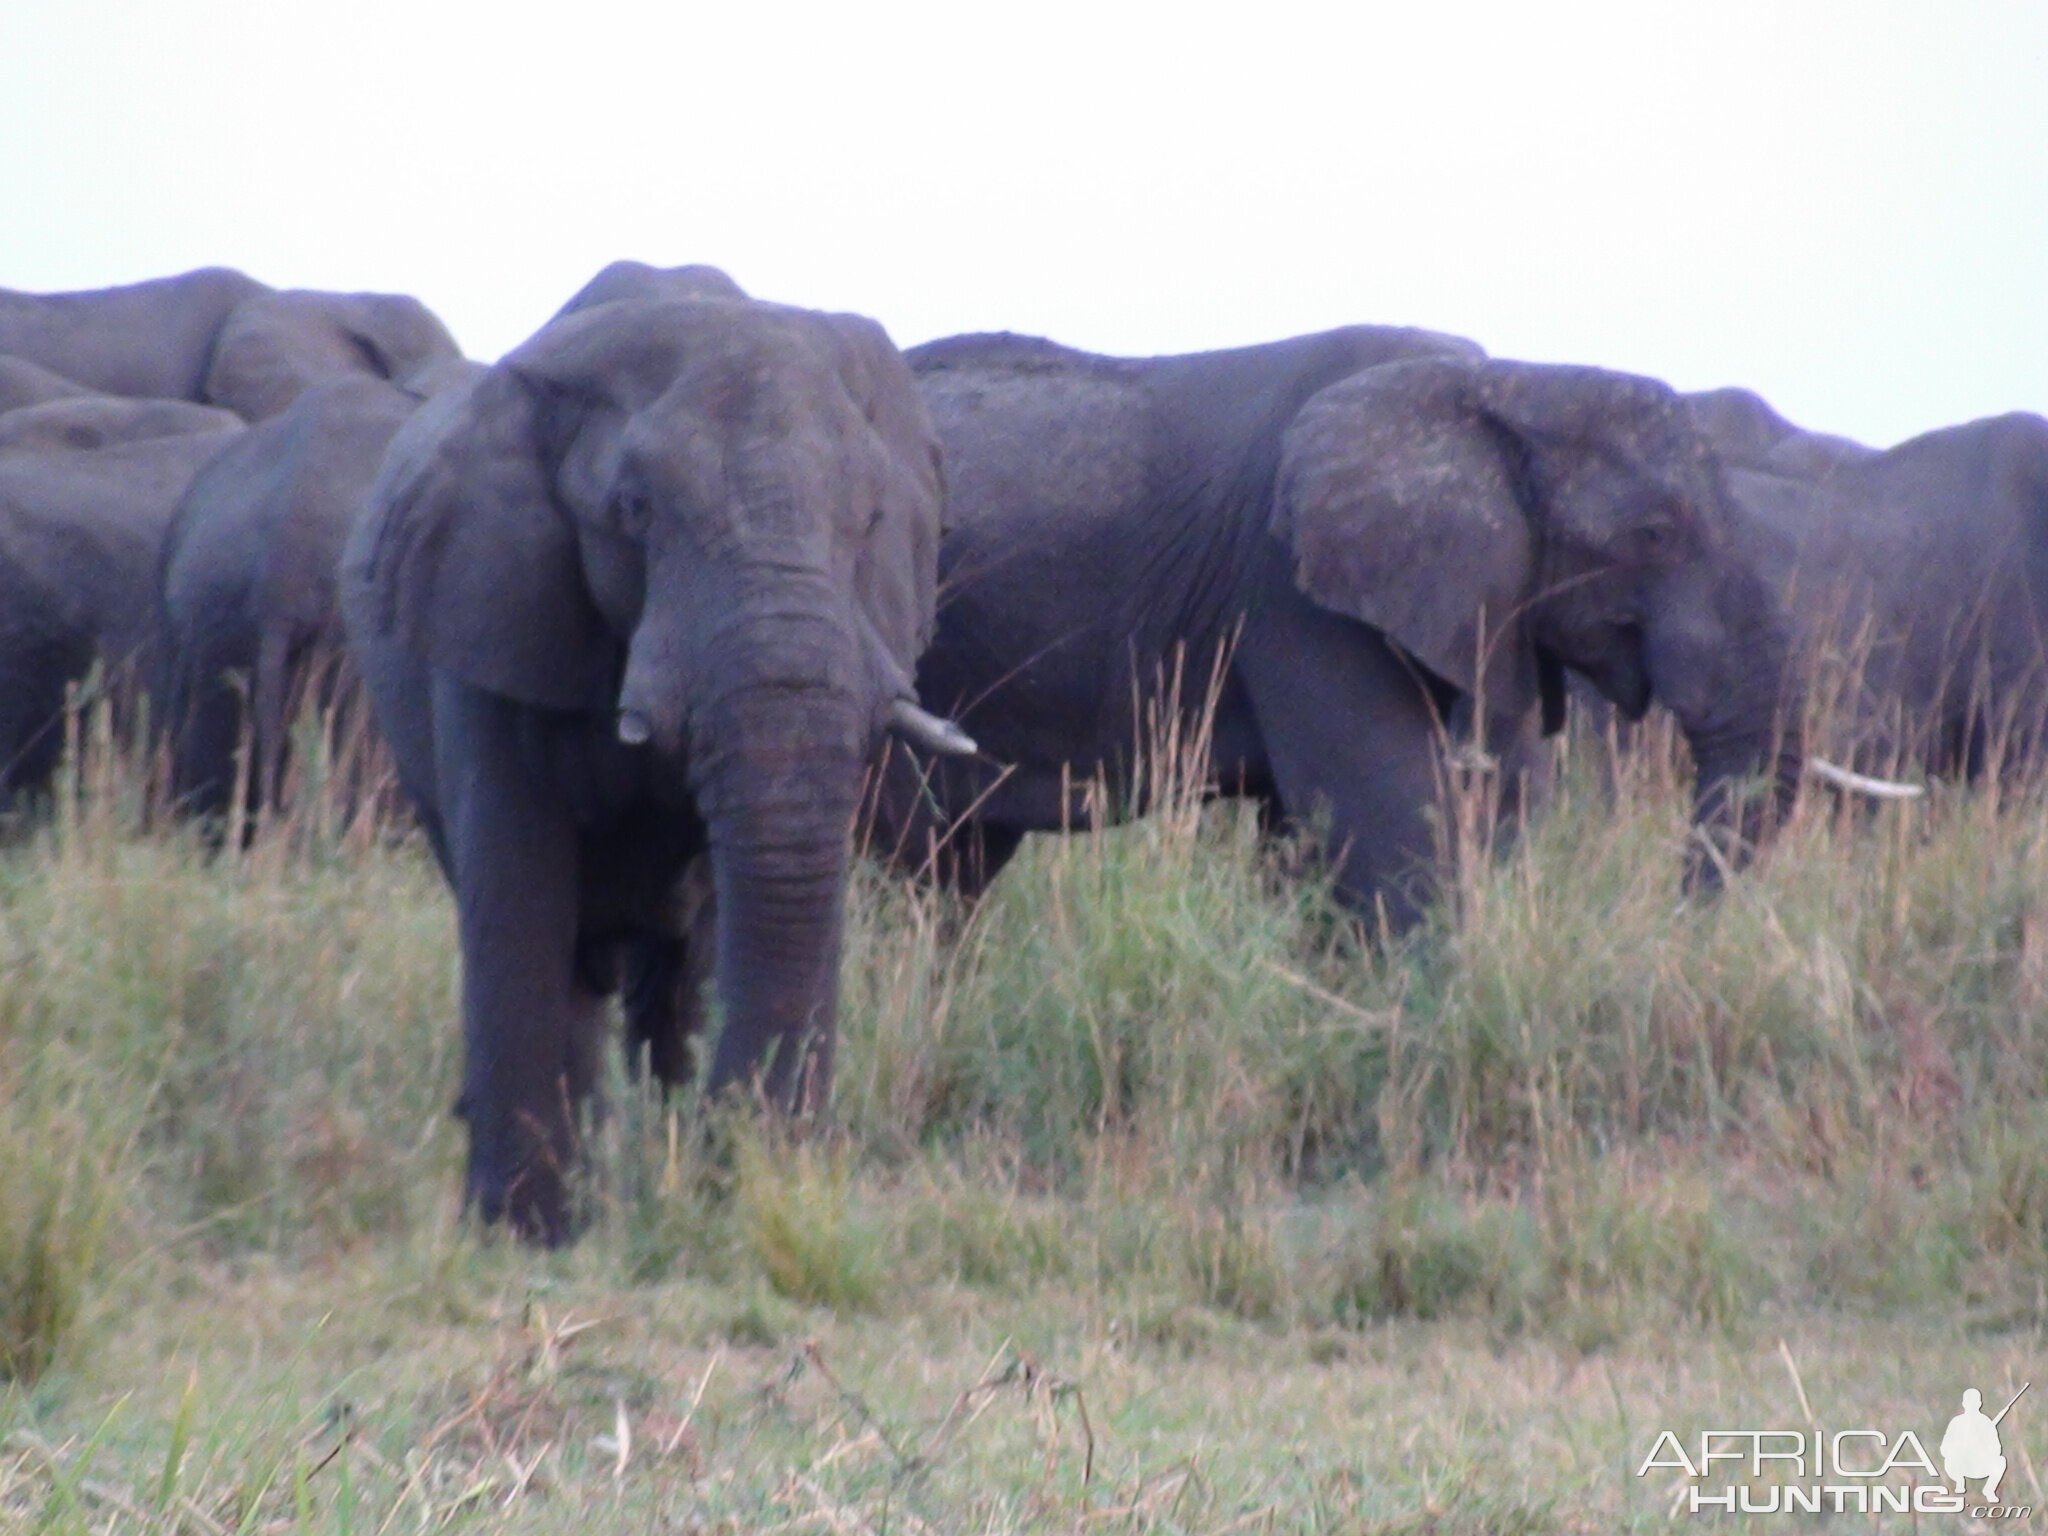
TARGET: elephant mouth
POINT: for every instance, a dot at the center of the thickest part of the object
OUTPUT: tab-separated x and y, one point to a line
1620	674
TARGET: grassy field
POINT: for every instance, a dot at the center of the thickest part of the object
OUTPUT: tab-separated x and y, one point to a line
1155	1200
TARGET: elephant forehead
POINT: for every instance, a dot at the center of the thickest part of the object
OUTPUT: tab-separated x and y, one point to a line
1039	445
761	387
637	350
710	448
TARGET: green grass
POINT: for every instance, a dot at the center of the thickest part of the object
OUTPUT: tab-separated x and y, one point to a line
1157	1197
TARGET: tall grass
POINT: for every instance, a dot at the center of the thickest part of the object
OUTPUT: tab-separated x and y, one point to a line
1154	1063
244	1054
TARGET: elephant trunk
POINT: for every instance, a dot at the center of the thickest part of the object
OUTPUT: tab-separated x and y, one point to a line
767	709
1746	781
778	788
1727	681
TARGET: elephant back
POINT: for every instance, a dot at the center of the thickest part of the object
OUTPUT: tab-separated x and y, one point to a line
1748	434
86	526
83	423
1034	432
147	340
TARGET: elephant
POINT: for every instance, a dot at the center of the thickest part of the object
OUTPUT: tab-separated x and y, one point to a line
1359	535
84	422
1916	582
1747	432
274	345
248	582
651	587
86	489
219	337
150	340
639	280
23	383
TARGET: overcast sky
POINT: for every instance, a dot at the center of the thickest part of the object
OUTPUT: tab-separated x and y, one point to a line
1840	203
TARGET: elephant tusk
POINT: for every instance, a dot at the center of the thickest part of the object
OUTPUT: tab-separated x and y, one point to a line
635	729
921	728
1862	784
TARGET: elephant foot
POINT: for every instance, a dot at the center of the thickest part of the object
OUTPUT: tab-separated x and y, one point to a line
532	1200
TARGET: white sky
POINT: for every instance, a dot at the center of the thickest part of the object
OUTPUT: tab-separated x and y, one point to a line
1840	203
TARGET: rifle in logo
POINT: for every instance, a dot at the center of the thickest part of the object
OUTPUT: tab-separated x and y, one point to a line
1970	1447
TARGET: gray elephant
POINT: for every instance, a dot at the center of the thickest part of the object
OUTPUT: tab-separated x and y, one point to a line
654	586
23	383
150	340
249	582
276	345
1748	433
81	423
1916	579
219	337
86	489
1362	534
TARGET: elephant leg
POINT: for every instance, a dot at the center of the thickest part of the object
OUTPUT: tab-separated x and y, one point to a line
665	977
273	706
978	852
663	996
531	1024
32	717
1518	758
1350	732
650	995
203	756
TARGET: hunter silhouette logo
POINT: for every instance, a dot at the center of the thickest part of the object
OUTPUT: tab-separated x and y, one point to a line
1865	1471
1971	1446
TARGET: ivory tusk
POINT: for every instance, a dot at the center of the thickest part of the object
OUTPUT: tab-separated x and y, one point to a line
1862	784
635	729
921	728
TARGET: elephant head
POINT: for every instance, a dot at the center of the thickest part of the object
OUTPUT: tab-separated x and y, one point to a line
710	524
1748	435
1501	521
638	280
274	345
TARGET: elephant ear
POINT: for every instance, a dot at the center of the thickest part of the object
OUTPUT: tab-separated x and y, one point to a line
472	565
896	567
1398	505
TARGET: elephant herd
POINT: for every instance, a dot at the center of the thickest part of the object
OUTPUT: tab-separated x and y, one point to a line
179	463
639	608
